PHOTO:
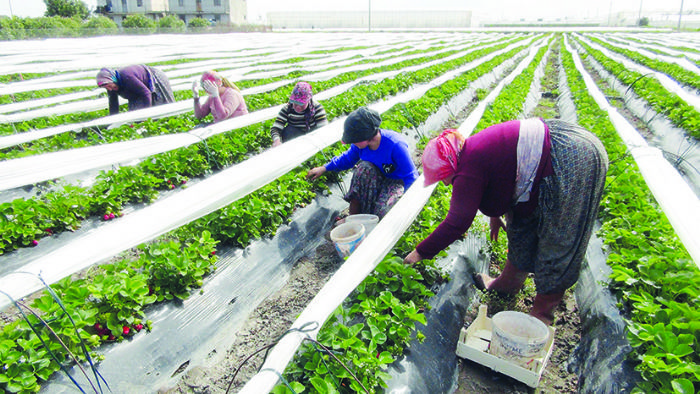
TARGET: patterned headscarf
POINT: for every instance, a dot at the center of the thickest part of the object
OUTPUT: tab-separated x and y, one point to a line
215	76
302	94
441	156
105	76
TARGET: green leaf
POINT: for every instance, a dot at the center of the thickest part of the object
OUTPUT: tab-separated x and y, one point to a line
321	385
682	386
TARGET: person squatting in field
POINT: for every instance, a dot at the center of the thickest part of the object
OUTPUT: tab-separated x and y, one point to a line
143	86
225	99
300	116
545	176
383	169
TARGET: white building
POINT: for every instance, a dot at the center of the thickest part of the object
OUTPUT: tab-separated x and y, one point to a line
365	20
225	12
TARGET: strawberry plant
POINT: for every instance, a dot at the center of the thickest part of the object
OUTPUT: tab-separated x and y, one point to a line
174	270
659	98
653	275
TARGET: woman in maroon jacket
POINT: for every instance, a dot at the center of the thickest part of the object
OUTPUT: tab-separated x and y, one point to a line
545	176
143	86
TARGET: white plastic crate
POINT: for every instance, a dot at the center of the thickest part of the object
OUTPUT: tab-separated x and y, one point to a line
474	343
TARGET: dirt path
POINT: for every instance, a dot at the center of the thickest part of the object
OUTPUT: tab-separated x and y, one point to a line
273	317
267	323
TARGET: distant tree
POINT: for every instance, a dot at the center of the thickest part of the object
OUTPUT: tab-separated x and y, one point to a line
52	26
171	23
139	23
644	21
99	25
12	28
66	8
198	24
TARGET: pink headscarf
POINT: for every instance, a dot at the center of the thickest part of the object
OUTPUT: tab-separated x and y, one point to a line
301	94
441	156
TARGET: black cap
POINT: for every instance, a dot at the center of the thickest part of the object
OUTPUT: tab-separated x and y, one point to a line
361	125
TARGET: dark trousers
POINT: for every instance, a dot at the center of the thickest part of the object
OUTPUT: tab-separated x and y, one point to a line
290	133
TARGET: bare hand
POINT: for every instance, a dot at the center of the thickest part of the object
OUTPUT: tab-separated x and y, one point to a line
412	257
315	172
496	224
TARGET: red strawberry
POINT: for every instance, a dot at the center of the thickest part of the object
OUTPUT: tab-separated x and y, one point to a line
111	216
35	242
97	326
172	186
138	327
105	217
126	330
213	252
184	181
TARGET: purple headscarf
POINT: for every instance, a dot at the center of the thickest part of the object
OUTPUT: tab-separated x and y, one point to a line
105	76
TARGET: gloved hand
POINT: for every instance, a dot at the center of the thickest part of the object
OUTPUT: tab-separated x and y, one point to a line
211	88
195	88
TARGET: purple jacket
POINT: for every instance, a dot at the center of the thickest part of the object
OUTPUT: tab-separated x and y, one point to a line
134	85
485	181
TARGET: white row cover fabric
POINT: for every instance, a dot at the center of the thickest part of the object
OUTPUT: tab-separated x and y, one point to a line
33	169
72	54
119	51
665	46
181	79
680	61
167	109
670	84
677	200
361	262
28	104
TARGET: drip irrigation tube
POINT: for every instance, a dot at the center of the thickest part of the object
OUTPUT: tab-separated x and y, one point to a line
677	200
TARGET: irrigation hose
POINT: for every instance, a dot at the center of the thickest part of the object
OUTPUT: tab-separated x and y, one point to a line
86	353
303	329
55	358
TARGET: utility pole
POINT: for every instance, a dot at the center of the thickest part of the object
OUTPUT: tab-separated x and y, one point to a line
639	19
10	1
369	16
680	13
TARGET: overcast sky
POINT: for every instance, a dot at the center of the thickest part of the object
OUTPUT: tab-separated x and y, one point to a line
489	9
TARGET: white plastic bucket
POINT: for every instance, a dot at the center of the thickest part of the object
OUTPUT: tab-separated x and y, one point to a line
347	236
367	220
518	337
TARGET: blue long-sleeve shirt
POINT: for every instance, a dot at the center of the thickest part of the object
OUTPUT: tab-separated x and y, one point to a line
391	157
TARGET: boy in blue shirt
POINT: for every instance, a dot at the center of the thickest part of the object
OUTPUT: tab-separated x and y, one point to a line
383	166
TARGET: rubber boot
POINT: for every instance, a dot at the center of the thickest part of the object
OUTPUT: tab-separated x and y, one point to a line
543	306
510	281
